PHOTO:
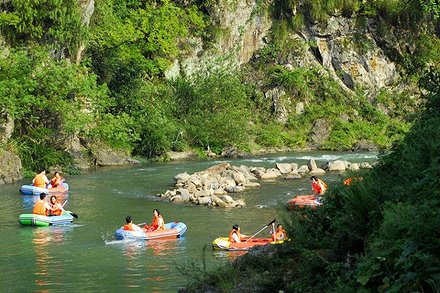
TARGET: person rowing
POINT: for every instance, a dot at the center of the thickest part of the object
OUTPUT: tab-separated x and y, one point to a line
235	235
56	209
57	180
40	180
130	226
318	187
279	234
42	207
157	224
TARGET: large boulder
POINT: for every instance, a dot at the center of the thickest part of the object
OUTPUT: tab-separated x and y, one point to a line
317	172
337	166
195	179
294	166
184	194
239	178
365	165
233	153
226	198
258	171
270	174
284	168
246	172
304	169
235	189
103	155
320	132
227	182
181	177
10	167
354	167
312	165
218	169
204	200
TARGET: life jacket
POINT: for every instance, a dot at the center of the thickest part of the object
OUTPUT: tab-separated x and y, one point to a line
231	239
279	235
350	180
128	227
58	211
39	181
39	208
56	181
319	187
156	223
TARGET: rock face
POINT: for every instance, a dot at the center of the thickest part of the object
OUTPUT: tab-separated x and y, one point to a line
243	25
6	128
103	155
10	170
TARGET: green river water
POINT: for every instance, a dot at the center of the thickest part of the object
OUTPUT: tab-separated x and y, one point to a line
85	257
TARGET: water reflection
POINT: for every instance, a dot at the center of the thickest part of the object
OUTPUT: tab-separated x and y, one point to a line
230	255
48	267
148	263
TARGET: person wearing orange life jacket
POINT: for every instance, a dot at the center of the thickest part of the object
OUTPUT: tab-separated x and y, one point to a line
130	226
279	234
318	186
41	207
57	180
235	235
56	207
157	224
40	180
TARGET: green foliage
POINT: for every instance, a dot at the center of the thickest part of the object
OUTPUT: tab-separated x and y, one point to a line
48	22
215	109
130	40
407	14
269	135
48	100
431	6
116	131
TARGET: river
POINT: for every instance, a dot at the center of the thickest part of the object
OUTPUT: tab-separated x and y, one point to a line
85	257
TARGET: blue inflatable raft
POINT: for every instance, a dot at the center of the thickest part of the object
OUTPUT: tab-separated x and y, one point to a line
171	231
33	190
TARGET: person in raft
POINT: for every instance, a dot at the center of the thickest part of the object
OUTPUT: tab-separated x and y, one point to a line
42	207
130	226
279	234
40	180
318	187
157	224
57	180
235	235
56	209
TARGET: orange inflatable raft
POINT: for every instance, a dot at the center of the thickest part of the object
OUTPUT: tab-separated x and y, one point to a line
302	201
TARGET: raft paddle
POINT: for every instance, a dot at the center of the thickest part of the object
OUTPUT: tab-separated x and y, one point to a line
64	203
73	214
271	222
